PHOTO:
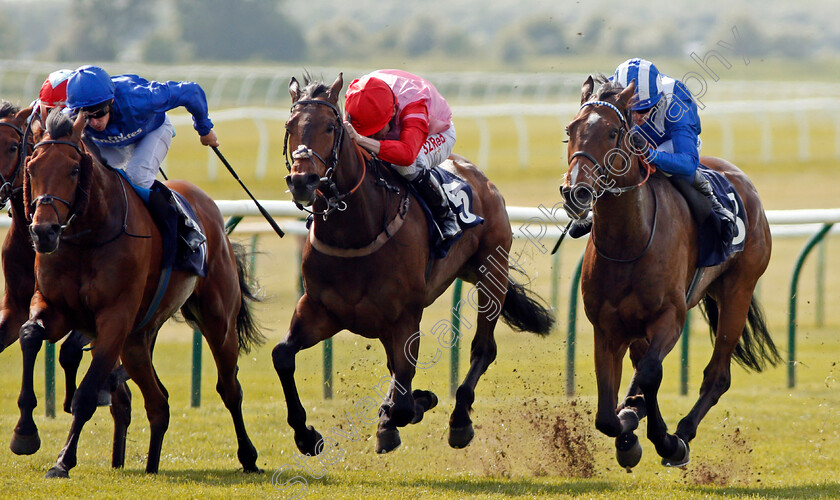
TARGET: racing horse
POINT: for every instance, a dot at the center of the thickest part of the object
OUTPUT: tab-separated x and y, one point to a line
638	277
18	129
366	267
91	232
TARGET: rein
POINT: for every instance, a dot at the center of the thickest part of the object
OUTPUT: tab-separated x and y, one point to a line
335	200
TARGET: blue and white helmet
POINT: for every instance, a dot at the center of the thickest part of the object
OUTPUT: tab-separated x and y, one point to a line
648	81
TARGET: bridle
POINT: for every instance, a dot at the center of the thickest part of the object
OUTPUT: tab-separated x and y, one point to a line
602	170
617	191
49	199
7	189
335	200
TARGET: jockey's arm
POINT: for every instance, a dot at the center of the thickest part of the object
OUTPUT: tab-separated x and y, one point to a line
404	151
685	158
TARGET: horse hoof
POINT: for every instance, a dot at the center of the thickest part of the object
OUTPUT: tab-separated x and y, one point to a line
25	444
680	457
253	470
308	440
629	420
423	402
387	440
460	437
57	471
628	450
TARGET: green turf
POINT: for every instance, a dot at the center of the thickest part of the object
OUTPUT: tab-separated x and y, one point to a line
762	439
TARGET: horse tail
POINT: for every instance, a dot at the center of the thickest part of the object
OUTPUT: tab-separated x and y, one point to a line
247	328
755	348
524	313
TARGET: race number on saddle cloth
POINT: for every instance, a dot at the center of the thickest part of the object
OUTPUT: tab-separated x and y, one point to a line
712	249
174	255
460	196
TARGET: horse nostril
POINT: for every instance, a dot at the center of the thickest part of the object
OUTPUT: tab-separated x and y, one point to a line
312	180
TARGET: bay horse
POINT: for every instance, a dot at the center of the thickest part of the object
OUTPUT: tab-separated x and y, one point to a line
97	269
638	276
366	267
19	130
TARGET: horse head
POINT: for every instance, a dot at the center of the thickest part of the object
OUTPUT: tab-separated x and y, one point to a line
600	150
16	131
314	134
59	170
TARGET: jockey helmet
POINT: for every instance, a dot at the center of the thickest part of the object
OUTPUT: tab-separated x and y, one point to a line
648	81
54	90
89	86
370	103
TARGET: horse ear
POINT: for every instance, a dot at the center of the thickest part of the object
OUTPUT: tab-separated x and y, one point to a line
335	89
23	114
626	95
79	126
294	90
586	89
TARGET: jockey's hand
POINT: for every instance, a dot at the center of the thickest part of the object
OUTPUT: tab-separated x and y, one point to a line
371	145
639	143
210	139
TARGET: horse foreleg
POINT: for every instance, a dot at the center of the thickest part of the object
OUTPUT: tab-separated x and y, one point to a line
609	353
25	440
634	399
121	413
310	325
18	261
108	346
663	334
70	357
732	316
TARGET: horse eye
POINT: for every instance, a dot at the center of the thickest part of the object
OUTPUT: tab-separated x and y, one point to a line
613	133
13	148
75	171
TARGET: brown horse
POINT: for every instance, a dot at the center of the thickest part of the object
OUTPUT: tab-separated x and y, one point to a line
638	276
367	268
91	232
17	133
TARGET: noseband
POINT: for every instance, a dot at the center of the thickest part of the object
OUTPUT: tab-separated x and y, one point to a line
335	200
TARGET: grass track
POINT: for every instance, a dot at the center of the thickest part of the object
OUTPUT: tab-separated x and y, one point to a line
762	440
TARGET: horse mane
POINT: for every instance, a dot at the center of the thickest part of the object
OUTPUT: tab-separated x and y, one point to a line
59	124
8	109
313	88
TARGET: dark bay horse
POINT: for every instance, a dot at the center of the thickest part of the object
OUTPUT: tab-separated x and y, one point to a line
18	133
367	268
97	269
637	274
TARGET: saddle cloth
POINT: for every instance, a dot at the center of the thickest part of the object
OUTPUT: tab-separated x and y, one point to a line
173	256
716	241
460	196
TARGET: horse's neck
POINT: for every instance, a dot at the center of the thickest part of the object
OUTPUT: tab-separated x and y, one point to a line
105	208
366	209
625	221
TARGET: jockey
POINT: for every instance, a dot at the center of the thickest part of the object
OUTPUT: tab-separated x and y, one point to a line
665	116
53	93
127	121
402	118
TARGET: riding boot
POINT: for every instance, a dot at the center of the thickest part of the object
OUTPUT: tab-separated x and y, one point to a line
580	227
160	199
701	183
432	192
